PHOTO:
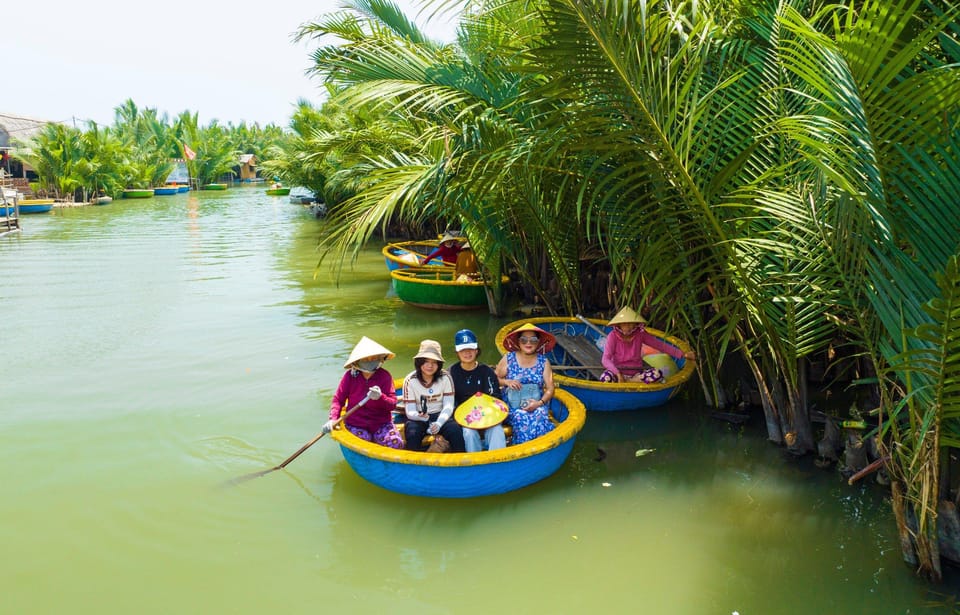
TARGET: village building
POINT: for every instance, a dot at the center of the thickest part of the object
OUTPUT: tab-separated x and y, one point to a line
247	167
14	130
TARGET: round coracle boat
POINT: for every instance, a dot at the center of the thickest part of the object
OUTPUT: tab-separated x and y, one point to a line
466	475
437	288
576	363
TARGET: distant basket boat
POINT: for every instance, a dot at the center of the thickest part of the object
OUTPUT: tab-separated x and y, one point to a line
278	191
406	254
138	193
467	475
165	190
183	188
35	206
577	356
435	288
101	200
302	199
214	187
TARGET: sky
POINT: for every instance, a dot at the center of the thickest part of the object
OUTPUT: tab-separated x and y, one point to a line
71	61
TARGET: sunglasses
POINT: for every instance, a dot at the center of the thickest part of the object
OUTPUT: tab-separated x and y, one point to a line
528	340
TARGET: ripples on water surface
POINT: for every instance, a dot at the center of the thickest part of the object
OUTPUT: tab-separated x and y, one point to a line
154	348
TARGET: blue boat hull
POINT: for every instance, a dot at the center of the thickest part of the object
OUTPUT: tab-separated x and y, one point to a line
604	396
462	482
35	209
27	208
467	475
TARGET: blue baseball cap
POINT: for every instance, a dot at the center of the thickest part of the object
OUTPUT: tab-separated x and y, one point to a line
465	340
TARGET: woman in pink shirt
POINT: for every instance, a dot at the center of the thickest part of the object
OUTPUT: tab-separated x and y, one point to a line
372	421
623	352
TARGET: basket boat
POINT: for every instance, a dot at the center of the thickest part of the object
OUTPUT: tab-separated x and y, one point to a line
436	288
467	475
577	368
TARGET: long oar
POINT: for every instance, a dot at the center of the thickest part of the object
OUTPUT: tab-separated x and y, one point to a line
601	341
247	477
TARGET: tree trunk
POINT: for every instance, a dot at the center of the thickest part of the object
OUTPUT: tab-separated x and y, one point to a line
907	549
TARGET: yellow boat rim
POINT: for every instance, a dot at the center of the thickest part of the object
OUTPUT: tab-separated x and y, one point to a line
563	432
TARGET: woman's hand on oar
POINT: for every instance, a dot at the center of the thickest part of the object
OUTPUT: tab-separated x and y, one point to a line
322	433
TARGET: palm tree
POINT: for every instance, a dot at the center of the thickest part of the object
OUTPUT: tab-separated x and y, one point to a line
104	160
778	177
307	156
445	110
215	156
55	153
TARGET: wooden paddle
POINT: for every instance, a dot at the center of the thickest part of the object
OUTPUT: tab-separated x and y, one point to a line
246	477
603	334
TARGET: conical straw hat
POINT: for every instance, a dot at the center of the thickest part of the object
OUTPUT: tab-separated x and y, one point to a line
547	339
366	347
625	315
449	236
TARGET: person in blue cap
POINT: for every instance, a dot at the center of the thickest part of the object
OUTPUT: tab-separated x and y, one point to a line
471	377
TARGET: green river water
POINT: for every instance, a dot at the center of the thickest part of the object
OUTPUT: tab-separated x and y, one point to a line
153	349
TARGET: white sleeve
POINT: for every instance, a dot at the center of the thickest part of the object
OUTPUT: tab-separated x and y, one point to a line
410	400
447	409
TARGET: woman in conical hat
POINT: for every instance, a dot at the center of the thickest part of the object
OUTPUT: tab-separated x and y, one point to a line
624	350
448	250
366	348
366	378
545	340
527	378
466	263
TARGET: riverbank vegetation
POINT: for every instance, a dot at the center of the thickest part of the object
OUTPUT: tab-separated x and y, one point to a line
773	180
138	151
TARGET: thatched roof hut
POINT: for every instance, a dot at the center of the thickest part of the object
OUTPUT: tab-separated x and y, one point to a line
14	128
248	167
18	127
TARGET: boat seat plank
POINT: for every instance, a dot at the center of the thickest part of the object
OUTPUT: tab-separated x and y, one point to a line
581	350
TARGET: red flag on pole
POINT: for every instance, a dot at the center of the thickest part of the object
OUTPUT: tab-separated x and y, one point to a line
188	153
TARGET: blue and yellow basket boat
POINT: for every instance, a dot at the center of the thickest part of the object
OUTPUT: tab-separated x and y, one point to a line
577	360
467	475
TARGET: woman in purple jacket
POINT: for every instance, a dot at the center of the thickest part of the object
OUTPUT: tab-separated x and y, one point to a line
365	377
623	352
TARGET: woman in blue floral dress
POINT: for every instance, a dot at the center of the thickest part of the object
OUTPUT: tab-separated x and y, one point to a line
527	380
